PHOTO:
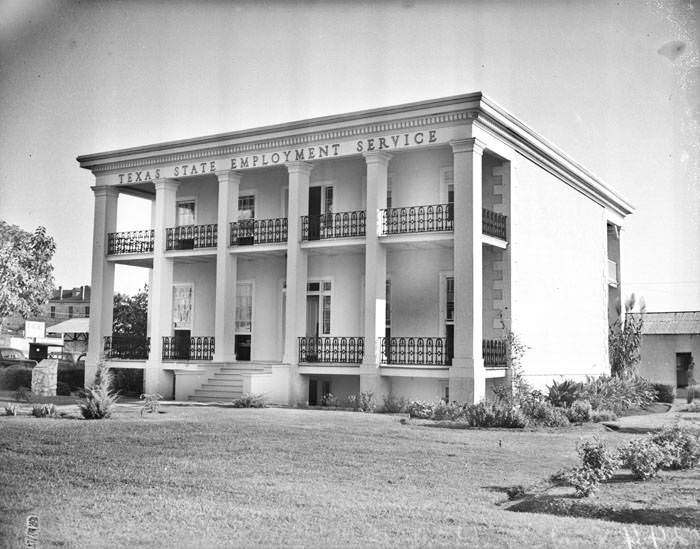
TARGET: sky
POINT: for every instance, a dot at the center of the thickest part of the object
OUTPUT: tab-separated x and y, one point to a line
615	84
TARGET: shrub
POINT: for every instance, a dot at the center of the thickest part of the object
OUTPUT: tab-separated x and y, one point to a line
249	401
394	404
616	393
598	464
15	376
44	410
62	389
420	409
690	396
603	415
643	457
11	410
542	413
493	414
446	411
73	377
353	401
682	447
99	400
665	393
367	401
563	394
23	394
151	403
516	492
579	412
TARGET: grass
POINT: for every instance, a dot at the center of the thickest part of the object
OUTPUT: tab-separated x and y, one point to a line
279	477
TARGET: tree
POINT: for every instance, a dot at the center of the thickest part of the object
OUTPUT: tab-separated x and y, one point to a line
26	272
131	313
625	338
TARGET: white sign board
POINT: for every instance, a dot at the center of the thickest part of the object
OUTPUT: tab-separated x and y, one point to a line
34	329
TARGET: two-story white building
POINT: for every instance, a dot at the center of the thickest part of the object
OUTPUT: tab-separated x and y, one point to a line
389	250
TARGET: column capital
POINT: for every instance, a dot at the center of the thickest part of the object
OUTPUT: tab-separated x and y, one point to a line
225	176
299	167
165	184
105	190
377	157
471	144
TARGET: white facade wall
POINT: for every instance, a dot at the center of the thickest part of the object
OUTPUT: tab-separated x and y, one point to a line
415	388
202	276
559	288
205	193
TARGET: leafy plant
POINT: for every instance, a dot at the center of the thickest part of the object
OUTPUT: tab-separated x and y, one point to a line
394	404
564	393
44	410
518	388
665	393
420	409
617	393
353	402
23	394
540	412
367	401
603	415
329	400
493	414
579	412
644	458
624	339
681	445
99	400
249	400
151	403
11	410
598	464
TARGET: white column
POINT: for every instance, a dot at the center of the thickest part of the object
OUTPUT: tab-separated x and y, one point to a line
297	274
375	275
226	269
102	289
467	375
162	290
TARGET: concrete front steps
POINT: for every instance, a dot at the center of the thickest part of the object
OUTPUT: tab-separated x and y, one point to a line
227	383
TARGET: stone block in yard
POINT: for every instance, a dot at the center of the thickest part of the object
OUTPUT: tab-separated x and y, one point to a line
44	377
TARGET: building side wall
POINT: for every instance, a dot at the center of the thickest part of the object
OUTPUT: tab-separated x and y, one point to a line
558	287
416	389
658	355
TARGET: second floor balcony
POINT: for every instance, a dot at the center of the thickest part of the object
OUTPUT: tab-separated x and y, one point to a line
193	348
190	237
127	347
130	242
333	225
331	350
258	231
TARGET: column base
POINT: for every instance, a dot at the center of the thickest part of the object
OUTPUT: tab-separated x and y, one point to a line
297	390
467	380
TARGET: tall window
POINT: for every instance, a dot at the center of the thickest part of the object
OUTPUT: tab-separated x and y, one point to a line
246	207
318	295
53	311
87	311
244	308
388	303
70	311
185	213
450	299
328	200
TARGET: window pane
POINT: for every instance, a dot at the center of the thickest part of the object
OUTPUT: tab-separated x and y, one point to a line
326	314
329	200
313	287
244	308
388	304
185	213
326	286
246	207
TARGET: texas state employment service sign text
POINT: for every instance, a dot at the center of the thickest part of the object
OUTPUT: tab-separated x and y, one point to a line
271	158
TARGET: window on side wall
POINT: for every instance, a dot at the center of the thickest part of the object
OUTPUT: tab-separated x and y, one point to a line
185	213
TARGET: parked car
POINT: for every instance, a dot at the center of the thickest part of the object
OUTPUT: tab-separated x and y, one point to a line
10	357
65	360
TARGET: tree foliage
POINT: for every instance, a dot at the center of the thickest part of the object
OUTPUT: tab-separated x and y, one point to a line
131	313
625	338
26	272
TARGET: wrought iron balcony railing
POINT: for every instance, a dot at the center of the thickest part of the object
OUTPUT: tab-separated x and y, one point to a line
131	242
494	353
258	231
127	347
493	224
332	350
194	348
333	225
416	351
188	237
418	219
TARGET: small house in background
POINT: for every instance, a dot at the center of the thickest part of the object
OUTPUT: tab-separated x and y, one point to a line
670	344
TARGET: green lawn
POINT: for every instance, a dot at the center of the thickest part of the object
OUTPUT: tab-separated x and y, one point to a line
219	477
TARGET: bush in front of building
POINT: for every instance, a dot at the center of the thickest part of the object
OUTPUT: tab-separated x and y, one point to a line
15	376
682	446
394	404
73	377
99	400
493	414
603	415
665	393
604	393
249	401
540	412
580	411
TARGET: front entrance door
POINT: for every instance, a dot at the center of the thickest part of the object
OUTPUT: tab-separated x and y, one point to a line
182	345
683	361
313	392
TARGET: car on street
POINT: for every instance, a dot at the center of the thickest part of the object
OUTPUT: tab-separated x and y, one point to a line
10	357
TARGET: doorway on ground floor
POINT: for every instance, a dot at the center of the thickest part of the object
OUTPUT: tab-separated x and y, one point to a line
318	391
181	345
683	362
